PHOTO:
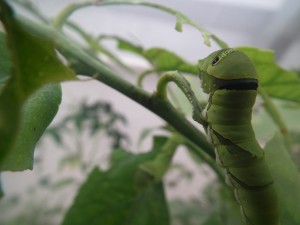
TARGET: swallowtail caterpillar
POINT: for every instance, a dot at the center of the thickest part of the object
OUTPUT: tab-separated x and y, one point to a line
231	80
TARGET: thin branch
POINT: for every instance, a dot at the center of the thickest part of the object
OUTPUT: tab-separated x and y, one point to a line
183	84
275	115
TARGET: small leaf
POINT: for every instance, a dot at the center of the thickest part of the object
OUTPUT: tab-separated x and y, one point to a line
128	46
144	134
34	64
286	178
276	81
113	197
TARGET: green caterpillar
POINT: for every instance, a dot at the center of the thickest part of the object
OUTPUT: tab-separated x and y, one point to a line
231	80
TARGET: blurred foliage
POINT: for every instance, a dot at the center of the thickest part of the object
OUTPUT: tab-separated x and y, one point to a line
115	196
125	192
295	150
89	119
94	118
286	179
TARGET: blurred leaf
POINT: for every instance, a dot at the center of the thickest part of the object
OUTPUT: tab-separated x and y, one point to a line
38	112
187	211
1	191
70	160
212	220
286	178
115	197
118	156
93	117
295	149
7	206
144	134
276	81
222	205
5	63
63	183
44	181
34	64
54	133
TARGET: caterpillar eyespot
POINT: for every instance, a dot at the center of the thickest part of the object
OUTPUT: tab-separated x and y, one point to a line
215	61
221	56
232	88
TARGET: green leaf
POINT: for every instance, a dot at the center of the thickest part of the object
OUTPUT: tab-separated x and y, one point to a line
34	64
164	60
161	59
276	81
115	197
126	45
286	178
38	112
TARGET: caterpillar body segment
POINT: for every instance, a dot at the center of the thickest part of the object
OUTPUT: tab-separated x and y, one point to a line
230	79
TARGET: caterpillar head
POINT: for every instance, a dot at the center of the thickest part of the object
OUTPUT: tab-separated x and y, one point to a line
225	67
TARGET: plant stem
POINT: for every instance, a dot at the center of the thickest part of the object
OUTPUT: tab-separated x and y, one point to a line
107	76
183	84
62	17
95	46
142	76
273	112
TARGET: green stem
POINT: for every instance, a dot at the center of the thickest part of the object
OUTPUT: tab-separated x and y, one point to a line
107	76
183	84
275	115
96	47
62	17
143	75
